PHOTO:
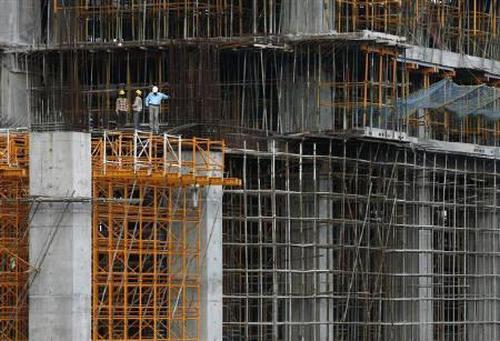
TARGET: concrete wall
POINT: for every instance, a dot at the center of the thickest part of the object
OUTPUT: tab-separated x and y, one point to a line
425	262
14	94
306	16
60	237
483	312
20	28
20	22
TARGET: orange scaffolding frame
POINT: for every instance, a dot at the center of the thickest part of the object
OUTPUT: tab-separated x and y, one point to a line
14	212
146	245
147	250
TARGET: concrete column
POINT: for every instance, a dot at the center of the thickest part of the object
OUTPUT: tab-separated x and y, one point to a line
21	21
484	310
425	268
422	133
14	106
211	265
60	236
211	262
317	259
306	16
325	259
302	259
403	291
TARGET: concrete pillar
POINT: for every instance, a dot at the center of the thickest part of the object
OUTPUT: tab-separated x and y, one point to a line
211	262
403	306
211	265
318	260
14	106
301	260
20	22
422	131
325	258
60	236
306	16
484	310
425	268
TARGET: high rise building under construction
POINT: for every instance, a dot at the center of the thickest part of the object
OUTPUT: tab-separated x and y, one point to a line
324	170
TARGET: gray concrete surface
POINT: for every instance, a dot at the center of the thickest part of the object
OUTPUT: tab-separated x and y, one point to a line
60	237
19	28
19	20
211	263
425	264
448	59
14	95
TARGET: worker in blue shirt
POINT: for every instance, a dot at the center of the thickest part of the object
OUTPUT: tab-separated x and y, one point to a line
153	103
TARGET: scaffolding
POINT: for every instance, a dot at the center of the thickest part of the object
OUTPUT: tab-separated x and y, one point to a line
147	194
464	26
260	64
111	21
147	210
332	236
14	211
360	240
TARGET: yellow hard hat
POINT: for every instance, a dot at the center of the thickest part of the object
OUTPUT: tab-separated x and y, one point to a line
121	92
139	92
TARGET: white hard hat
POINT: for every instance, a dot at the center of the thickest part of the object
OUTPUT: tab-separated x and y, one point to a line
155	88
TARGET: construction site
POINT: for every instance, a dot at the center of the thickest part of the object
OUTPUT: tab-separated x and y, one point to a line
324	170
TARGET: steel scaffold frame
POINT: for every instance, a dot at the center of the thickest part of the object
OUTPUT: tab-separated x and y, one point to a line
146	245
146	233
14	212
359	239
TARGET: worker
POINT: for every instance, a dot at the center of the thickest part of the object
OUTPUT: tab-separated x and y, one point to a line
153	103
137	108
122	109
